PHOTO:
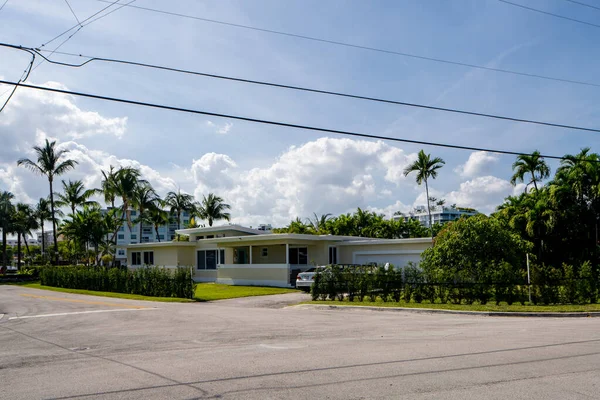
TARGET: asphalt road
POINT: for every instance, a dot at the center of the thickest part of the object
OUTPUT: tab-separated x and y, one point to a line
60	346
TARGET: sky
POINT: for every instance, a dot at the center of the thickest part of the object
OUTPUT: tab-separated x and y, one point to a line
271	174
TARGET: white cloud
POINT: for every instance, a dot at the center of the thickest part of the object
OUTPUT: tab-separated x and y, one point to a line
479	163
220	129
484	193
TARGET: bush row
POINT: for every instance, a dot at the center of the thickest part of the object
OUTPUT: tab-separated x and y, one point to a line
548	286
147	281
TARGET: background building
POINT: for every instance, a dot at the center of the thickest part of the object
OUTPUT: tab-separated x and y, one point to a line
439	215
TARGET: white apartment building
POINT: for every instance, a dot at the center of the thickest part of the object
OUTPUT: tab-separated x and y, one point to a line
439	215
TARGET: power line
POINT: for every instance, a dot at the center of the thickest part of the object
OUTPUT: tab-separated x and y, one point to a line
73	12
583	4
273	123
305	89
23	78
75	26
374	49
549	13
3	5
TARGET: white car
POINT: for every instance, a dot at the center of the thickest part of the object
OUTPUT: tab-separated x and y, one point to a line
305	279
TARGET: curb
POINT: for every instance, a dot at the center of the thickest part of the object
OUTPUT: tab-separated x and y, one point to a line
584	314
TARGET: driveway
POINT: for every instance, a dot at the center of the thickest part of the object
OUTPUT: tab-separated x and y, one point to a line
272	301
61	346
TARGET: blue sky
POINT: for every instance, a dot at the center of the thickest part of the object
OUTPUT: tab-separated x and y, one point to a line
271	174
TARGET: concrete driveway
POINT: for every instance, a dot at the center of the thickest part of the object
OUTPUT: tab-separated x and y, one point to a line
60	346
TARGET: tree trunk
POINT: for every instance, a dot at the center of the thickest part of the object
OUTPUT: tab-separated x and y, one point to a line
178	219
428	208
4	255
26	245
53	223
43	241
141	212
18	251
534	182
157	235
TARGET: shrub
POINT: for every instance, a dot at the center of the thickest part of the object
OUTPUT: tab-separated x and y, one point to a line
147	281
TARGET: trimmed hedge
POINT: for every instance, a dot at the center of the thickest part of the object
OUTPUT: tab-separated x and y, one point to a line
147	281
548	285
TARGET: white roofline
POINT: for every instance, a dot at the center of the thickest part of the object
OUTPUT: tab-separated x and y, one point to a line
161	244
210	229
345	240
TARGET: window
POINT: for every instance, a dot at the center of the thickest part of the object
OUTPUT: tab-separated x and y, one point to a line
298	255
264	252
221	256
133	213
134	236
121	237
121	252
210	236
136	258
148	258
161	237
186	221
333	255
122	229
207	259
185	214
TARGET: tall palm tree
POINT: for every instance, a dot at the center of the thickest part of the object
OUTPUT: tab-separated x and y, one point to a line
42	214
426	168
127	180
109	186
7	211
530	164
212	208
179	202
24	221
75	195
156	217
144	198
50	163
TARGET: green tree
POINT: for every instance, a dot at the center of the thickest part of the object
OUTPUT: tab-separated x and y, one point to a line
156	217
179	202
43	214
75	195
530	164
144	198
126	182
108	187
24	221
7	211
426	168
318	224
213	208
50	163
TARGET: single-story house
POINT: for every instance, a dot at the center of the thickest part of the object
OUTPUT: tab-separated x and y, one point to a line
238	255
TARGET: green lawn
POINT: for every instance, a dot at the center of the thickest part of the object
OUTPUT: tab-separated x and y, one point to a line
204	292
216	291
503	307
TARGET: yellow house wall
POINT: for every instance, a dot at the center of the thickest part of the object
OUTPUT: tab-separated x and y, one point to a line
186	257
254	273
275	254
345	253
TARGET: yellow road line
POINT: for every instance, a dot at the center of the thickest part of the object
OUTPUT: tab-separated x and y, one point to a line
101	303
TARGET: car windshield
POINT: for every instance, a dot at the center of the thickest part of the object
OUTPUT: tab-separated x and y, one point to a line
311	270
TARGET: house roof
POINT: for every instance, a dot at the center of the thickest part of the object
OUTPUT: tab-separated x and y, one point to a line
161	244
220	228
345	240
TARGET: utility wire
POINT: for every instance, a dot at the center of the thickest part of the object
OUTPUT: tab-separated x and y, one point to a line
299	88
274	123
1	7
79	27
73	12
578	2
75	26
23	78
374	49
549	13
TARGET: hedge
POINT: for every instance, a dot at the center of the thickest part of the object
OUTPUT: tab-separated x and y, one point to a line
548	285
147	281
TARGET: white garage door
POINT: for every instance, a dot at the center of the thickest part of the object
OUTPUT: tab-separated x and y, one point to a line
397	260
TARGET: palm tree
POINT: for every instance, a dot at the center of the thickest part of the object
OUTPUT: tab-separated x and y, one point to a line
6	215
426	168
533	164
212	208
126	182
109	186
179	202
319	223
75	195
144	198
24	221
156	217
42	213
50	164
